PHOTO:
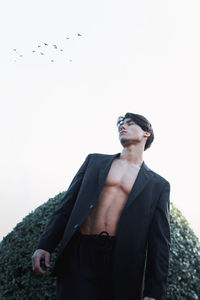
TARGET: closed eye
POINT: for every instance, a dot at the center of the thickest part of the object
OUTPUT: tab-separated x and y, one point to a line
130	122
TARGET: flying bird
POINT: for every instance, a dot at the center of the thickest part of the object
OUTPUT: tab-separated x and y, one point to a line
46	44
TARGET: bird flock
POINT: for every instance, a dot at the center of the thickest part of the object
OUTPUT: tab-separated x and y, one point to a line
41	48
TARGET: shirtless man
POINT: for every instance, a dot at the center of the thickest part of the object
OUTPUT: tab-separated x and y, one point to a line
117	187
86	275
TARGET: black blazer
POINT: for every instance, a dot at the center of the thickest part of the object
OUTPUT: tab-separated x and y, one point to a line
141	256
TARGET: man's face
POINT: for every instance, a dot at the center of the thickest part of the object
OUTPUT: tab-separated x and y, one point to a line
130	132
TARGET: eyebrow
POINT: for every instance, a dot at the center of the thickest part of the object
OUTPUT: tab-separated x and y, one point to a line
122	120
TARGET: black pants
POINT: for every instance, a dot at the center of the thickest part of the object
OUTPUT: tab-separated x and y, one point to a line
87	268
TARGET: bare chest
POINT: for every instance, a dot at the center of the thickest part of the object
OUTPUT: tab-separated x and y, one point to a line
121	176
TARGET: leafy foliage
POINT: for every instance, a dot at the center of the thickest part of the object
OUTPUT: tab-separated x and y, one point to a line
19	282
184	272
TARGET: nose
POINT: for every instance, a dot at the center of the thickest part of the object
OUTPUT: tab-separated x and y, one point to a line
122	126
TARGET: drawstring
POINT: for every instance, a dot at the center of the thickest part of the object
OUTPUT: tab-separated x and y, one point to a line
103	238
105	242
106	258
102	233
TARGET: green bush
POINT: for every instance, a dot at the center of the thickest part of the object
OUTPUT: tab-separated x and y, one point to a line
19	282
184	272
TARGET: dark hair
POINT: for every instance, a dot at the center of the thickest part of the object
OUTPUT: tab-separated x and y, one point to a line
143	123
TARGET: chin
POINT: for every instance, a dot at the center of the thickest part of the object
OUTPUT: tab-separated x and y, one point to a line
127	142
124	141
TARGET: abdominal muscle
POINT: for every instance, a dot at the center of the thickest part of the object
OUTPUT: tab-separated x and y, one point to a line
105	214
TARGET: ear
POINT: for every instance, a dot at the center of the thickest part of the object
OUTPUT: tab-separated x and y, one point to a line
147	134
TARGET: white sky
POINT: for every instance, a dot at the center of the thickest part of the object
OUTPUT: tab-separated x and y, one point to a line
136	56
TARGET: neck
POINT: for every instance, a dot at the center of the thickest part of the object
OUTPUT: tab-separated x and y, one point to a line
132	154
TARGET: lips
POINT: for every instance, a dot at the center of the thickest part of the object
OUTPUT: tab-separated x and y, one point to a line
122	132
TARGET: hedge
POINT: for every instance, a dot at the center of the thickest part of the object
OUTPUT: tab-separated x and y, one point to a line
19	282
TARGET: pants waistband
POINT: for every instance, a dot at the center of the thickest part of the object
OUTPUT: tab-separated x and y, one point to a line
102	235
100	241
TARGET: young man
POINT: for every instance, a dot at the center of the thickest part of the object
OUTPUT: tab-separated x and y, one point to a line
113	225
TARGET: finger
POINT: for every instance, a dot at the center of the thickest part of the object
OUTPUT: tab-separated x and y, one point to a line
36	265
47	260
40	271
33	262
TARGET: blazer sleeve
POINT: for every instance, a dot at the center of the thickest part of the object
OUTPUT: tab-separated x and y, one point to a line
58	221
158	247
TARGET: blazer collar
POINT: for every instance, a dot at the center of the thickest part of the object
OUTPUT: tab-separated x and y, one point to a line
143	177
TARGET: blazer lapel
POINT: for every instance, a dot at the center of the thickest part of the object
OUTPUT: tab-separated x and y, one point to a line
105	169
143	177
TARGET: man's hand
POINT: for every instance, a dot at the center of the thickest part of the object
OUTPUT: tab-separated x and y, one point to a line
36	258
148	298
